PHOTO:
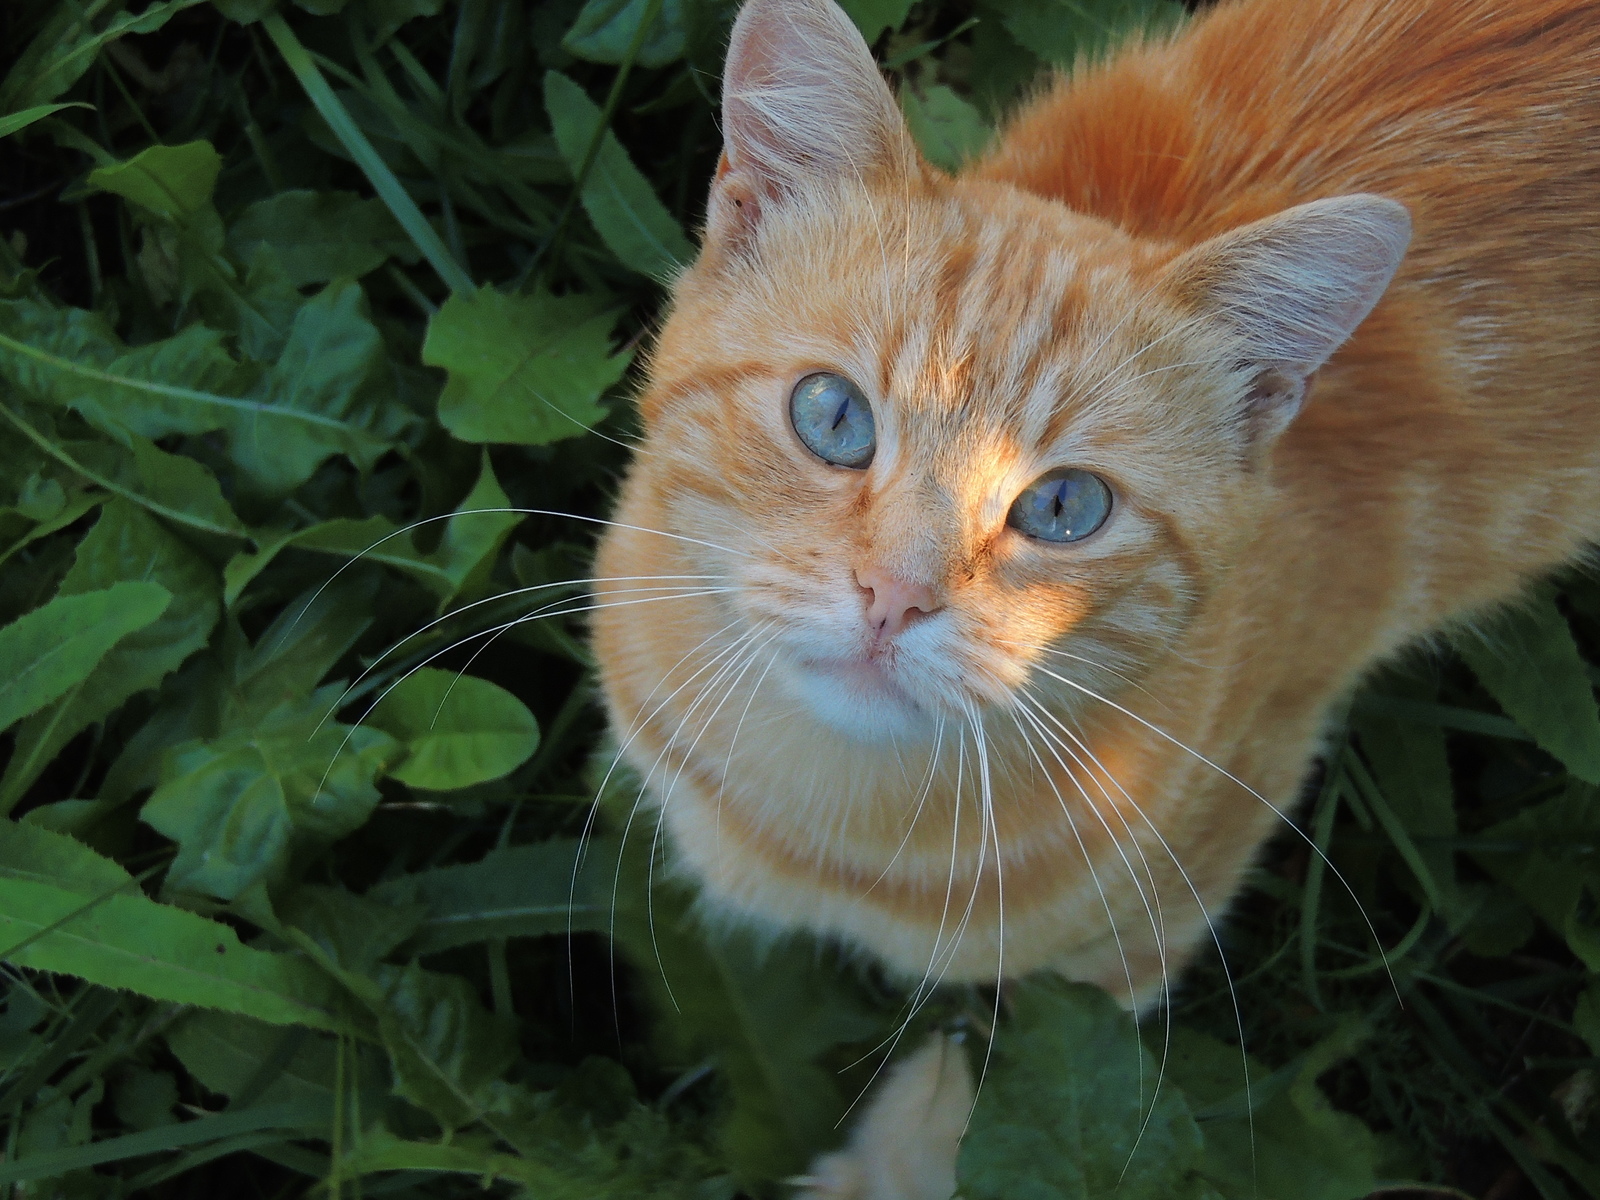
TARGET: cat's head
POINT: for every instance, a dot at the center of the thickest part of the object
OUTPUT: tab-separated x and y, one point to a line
946	440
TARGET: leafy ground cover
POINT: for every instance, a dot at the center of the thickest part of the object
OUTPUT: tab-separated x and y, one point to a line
289	295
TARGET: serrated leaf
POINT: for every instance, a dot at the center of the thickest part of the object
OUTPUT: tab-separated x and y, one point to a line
1068	1107
317	399
1295	1145
606	28
1530	664
444	1045
125	544
317	237
520	891
1547	852
169	485
72	922
949	131
458	730
295	653
174	182
527	369
227	1053
628	216
52	649
237	804
354	931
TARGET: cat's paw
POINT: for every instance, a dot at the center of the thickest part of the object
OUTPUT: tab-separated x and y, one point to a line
904	1146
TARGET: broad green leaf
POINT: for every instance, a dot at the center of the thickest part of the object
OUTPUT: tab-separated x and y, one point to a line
317	237
1531	666
474	535
1544	854
324	395
18	121
949	131
169	485
354	931
445	1047
526	369
67	47
1294	1145
227	1053
872	17
1069	1109
458	730
521	891
45	653
174	182
632	222
321	397
1068	33
606	28
61	910
238	804
125	544
295	653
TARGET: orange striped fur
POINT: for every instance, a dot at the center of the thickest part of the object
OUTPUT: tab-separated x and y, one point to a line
1036	311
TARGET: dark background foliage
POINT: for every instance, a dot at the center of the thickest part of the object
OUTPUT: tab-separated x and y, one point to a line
317	322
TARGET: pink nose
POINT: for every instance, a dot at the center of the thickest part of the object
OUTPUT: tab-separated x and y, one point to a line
893	603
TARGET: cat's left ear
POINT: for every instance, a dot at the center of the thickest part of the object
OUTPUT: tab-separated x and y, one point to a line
1293	287
802	104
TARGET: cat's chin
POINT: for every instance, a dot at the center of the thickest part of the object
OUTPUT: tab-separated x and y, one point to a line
858	698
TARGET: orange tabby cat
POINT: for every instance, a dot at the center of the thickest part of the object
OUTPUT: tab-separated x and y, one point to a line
1007	537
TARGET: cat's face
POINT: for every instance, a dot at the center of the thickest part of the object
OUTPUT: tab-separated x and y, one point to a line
993	342
942	444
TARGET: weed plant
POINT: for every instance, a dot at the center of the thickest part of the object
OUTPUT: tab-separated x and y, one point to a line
318	324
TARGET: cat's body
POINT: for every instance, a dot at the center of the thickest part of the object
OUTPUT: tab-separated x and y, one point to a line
1063	304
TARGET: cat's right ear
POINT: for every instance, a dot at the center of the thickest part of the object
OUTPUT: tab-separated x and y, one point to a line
802	104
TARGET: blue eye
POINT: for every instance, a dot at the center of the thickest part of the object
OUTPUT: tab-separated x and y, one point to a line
834	420
1064	505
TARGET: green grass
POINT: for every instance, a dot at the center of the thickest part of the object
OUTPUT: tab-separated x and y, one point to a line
278	282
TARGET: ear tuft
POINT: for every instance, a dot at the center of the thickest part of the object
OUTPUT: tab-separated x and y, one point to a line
802	102
1294	287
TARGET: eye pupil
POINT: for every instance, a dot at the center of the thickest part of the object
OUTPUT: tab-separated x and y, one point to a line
1064	505
834	420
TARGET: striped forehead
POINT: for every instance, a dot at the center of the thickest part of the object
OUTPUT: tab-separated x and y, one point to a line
993	339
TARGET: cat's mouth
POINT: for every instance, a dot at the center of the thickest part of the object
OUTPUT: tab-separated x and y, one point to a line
860	696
